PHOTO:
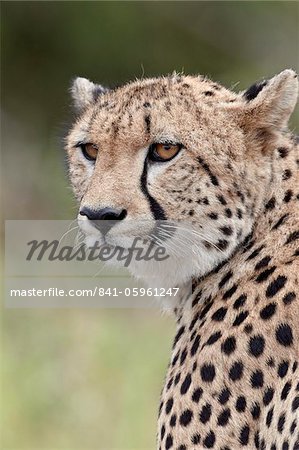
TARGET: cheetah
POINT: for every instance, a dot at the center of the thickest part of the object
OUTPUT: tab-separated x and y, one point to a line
186	149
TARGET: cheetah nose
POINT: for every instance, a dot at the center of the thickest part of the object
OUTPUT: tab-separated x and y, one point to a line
105	218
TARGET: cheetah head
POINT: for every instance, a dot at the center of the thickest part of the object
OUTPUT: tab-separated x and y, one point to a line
178	154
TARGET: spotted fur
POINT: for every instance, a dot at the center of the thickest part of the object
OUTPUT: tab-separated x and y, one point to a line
233	377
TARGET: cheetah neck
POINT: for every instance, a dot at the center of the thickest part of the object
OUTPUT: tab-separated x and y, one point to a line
278	215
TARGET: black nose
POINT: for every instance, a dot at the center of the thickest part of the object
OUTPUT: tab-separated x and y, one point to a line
104	219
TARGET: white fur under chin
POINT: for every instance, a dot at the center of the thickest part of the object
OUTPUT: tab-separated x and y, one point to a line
185	259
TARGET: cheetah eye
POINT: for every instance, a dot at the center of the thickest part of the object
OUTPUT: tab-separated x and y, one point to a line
90	151
163	151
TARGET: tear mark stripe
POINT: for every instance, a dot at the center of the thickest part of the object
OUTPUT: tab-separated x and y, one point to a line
205	166
155	207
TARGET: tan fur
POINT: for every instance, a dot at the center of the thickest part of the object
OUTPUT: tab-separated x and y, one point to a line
240	164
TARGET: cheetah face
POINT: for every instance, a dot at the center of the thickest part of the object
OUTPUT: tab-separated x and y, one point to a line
181	155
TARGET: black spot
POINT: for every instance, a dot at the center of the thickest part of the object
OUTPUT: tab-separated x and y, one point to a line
240	318
257	379
285	391
241	404
206	309
255	253
263	276
219	315
162	433
222	200
195	345
209	440
271	203
224	417
256	345
254	90
255	411
280	222
172	421
222	244
283	152
175	359
295	404
213	338
186	384
230	292
284	334
292	429
205	413
268	395
241	196
186	417
281	422
209	93
208	372
169	405
169	384
146	105
183	356
288	196
268	311
227	231
225	279
269	417
289	297
224	396
178	335
244	435
286	174
177	378
196	439
292	237
213	216
168	442
229	345
270	362
197	395
147	120
248	329
115	128
240	301
228	213
275	286
263	262
283	369
196	317
236	371
257	440
239	213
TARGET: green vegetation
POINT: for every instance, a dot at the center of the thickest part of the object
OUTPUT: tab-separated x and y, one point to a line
90	379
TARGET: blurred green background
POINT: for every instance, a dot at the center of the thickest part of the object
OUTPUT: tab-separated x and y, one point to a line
90	379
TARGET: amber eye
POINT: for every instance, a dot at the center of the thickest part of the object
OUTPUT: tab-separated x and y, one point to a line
163	152
90	151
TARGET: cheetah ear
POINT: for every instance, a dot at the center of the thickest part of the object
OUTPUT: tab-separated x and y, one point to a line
84	93
269	104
